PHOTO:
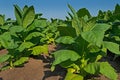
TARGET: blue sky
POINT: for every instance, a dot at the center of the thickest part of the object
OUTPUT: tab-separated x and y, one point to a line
57	8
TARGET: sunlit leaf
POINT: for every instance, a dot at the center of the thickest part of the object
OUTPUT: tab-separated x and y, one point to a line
39	50
28	16
63	55
96	34
113	47
20	61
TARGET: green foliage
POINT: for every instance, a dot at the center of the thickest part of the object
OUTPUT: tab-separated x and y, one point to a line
71	76
65	40
83	12
61	56
103	68
75	22
89	44
18	14
24	46
85	40
24	17
96	34
112	34
28	16
39	50
117	9
109	16
4	58
110	45
67	31
28	35
20	61
2	19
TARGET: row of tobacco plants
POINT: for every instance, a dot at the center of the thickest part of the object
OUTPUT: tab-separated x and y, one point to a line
84	40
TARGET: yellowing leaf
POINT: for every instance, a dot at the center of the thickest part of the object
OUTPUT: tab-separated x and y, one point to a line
39	50
20	61
71	76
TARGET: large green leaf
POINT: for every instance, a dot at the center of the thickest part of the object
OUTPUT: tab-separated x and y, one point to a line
64	55
4	58
39	50
2	21
25	45
108	71
96	34
103	68
28	17
113	47
18	14
65	40
20	61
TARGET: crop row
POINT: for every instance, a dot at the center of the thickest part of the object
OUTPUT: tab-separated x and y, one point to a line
84	38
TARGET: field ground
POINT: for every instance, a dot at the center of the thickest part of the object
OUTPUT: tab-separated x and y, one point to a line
39	69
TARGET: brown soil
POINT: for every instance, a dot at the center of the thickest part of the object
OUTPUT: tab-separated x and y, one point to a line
39	69
33	70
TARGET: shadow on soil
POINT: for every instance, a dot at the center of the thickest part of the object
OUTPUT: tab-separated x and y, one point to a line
58	72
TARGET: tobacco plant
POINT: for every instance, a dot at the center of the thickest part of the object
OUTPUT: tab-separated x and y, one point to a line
112	18
84	46
84	39
4	26
29	35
